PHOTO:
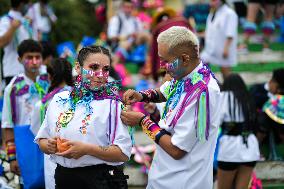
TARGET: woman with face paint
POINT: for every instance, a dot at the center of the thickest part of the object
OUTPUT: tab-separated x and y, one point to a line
89	141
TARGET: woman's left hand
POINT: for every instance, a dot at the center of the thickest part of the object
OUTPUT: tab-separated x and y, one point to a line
77	149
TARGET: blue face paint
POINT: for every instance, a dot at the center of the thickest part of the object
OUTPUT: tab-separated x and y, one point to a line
174	68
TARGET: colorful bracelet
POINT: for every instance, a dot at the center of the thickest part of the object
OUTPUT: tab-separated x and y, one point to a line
11	151
150	95
152	129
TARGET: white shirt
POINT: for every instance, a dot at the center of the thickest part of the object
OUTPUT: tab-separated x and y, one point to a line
97	130
129	26
224	25
49	166
24	105
11	65
41	23
195	169
232	148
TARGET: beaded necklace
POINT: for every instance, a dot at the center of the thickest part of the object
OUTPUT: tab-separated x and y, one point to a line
81	94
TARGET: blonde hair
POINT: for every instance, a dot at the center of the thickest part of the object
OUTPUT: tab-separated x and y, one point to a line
178	36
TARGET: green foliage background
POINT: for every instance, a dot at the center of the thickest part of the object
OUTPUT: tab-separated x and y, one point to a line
76	18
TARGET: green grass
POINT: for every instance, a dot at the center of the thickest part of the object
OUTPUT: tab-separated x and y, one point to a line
258	47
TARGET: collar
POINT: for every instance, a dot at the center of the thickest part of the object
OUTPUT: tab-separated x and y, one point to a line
199	66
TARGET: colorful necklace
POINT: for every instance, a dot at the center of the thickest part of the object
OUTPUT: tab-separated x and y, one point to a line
81	94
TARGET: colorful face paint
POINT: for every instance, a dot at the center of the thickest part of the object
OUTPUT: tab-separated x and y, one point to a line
33	61
173	68
99	73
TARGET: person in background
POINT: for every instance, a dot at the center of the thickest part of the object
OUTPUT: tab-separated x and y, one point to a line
238	146
270	118
21	95
267	26
14	28
60	77
221	36
42	17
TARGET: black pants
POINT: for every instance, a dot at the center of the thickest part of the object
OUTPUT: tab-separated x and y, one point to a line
91	177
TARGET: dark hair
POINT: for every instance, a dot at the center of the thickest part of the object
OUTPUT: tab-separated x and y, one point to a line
236	85
47	49
17	3
278	76
29	45
60	71
85	51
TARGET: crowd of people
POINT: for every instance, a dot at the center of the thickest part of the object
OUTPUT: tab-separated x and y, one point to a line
71	127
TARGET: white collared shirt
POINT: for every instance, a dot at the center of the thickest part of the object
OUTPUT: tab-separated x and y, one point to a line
224	25
41	23
129	26
195	169
11	65
99	131
24	105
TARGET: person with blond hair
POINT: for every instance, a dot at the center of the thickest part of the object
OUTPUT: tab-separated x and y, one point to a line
187	131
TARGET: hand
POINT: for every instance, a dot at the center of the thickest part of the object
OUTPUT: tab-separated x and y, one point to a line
15	24
52	145
131	118
225	53
14	167
150	107
77	149
131	96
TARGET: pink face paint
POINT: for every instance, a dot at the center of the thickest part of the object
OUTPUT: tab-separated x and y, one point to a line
32	61
99	73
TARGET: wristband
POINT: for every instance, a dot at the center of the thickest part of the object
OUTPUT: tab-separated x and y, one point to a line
11	151
152	129
150	95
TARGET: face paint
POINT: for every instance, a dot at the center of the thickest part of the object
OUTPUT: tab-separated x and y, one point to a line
29	63
87	80
173	68
99	73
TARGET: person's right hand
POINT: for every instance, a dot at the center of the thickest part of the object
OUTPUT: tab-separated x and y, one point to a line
15	24
131	96
14	167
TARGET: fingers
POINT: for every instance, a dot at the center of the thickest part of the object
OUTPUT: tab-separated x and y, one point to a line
128	96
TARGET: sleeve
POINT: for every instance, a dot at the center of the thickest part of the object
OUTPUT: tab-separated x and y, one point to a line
35	118
112	30
4	25
122	137
164	87
184	136
231	25
6	111
44	130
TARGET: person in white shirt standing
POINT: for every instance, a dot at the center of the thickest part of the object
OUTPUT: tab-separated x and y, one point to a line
14	28
21	95
123	26
186	135
238	146
42	17
82	130
221	37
